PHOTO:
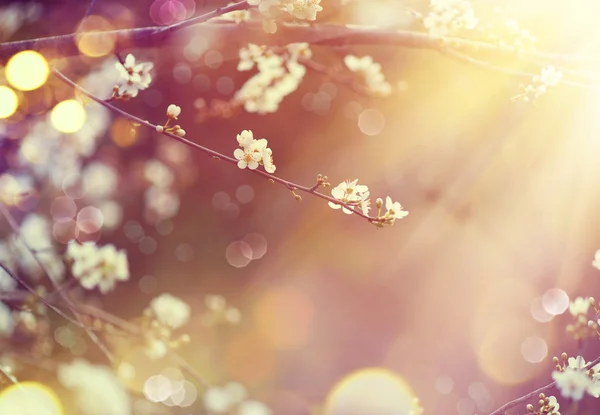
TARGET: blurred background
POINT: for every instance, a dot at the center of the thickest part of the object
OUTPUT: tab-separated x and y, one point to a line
460	303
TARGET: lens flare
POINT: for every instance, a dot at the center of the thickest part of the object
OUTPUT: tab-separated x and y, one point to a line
373	391
27	70
29	398
68	116
8	102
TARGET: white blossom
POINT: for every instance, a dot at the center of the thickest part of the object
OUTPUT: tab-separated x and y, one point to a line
133	77
98	267
99	180
572	383
173	111
298	9
253	152
371	72
579	307
219	311
158	173
447	17
278	76
394	209
97	390
170	310
349	192
596	261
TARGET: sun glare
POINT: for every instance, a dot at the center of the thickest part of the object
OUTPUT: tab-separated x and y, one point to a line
27	70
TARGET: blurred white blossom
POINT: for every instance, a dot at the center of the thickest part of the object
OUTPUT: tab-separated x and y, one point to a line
35	235
99	180
219	311
97	389
97	266
371	72
170	311
7	323
278	76
447	17
579	306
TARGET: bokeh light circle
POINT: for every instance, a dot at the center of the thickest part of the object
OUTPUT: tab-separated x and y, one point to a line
534	349
257	243
372	391
238	254
371	121
27	70
90	219
68	116
29	398
8	101
555	301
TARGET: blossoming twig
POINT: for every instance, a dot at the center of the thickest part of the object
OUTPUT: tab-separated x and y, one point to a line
213	153
502	410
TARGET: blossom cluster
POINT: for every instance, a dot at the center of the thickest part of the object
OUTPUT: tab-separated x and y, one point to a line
278	9
548	78
133	77
356	196
253	152
279	74
165	314
547	405
371	72
574	379
447	17
97	266
96	389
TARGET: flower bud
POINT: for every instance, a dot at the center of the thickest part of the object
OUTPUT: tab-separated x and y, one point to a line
173	111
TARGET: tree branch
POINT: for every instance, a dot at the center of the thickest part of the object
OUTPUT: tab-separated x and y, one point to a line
214	154
252	32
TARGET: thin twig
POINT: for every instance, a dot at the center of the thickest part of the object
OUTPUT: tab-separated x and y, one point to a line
17	229
512	72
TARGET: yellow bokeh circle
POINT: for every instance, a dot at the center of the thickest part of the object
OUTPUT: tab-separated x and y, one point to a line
68	116
8	102
29	398
27	70
371	391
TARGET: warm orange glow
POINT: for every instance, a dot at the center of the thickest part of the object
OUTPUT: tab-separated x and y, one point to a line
123	133
92	45
284	318
370	391
248	360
